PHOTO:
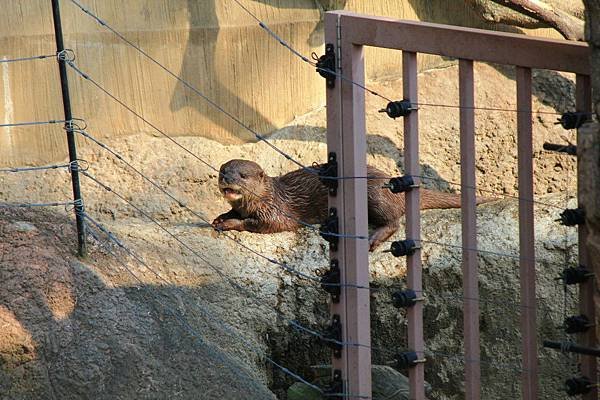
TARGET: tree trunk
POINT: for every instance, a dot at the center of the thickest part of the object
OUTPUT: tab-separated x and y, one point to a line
564	16
570	27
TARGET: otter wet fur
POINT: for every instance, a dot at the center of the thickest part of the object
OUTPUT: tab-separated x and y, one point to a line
265	204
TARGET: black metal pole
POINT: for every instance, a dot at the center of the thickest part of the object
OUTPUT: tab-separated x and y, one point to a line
64	85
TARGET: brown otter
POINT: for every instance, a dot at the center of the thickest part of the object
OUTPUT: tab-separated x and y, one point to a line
265	204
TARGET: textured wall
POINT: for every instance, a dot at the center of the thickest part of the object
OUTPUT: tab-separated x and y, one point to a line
212	44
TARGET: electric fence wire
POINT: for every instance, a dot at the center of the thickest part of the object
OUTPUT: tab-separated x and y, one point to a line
12	60
195	90
218	322
207	315
295	52
208	165
29	169
292	323
182	204
32	123
257	135
32	205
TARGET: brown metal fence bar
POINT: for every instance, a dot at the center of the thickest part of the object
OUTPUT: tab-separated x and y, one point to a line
467	43
526	235
469	231
413	224
583	103
346	136
334	144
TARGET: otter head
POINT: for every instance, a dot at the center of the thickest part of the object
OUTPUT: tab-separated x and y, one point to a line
239	178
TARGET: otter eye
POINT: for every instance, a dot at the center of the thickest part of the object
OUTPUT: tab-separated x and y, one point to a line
243	176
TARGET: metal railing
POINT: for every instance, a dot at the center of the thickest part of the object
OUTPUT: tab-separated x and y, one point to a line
347	33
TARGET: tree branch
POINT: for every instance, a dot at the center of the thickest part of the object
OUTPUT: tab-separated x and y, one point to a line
570	27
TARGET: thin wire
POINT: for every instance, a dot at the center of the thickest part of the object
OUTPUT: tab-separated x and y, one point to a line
27	169
285	44
52	121
182	204
305	224
207	314
28	205
491	362
11	60
485	108
293	323
189	86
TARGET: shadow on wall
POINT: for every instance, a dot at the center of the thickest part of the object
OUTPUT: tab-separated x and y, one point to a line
199	66
68	334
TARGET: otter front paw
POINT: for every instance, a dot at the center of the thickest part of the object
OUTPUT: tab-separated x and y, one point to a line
228	224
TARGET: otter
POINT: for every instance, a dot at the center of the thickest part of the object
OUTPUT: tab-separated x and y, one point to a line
265	204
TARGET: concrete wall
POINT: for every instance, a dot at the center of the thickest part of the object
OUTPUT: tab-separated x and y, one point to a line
212	44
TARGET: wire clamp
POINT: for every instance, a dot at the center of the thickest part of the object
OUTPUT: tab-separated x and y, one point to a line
333	336
328	173
572	120
326	65
572	217
330	229
575	275
401	184
577	324
569	149
407	360
66	55
395	109
405	298
402	248
330	280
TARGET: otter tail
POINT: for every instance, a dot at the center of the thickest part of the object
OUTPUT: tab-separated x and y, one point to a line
434	199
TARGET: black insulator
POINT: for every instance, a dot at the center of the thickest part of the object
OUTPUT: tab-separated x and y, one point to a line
572	216
578	385
573	120
401	248
395	109
401	184
333	336
326	65
330	229
577	324
407	360
330	281
404	299
575	275
561	148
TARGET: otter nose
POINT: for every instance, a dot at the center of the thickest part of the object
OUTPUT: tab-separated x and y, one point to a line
226	177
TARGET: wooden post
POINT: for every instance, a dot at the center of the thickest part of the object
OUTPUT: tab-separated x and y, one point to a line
583	100
416	374
526	235
346	137
469	231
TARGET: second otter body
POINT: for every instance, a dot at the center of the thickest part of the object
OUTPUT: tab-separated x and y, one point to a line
264	204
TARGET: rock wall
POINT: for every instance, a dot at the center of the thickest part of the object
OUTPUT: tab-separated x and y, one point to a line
211	44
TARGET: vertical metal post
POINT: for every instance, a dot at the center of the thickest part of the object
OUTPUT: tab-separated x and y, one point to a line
583	100
64	86
526	235
469	231
346	136
413	224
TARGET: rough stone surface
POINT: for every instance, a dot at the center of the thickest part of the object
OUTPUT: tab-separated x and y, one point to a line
88	329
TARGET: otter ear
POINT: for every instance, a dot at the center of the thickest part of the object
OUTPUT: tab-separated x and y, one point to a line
261	174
